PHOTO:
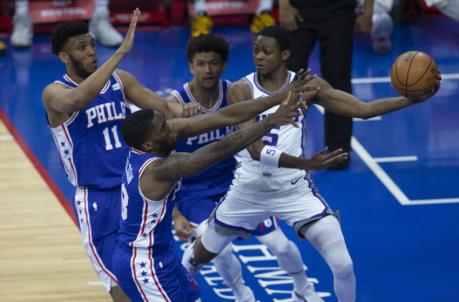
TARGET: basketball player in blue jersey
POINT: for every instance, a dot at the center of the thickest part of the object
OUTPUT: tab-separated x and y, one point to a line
85	109
200	193
272	178
145	259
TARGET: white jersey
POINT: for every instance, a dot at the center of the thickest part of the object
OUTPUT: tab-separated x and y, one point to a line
287	139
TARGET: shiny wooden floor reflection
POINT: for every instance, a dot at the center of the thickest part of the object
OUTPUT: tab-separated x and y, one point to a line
41	252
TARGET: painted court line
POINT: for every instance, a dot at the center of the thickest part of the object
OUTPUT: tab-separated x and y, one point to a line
371	119
393	188
373	164
5	137
449	76
95	283
379	172
394	159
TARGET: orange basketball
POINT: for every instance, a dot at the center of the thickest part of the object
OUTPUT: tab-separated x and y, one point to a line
414	74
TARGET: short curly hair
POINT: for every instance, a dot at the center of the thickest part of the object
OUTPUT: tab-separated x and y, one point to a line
207	43
279	34
64	31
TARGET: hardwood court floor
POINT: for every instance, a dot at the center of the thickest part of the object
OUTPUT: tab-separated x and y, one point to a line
41	252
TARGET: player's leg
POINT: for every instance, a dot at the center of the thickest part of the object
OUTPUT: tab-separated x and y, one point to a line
229	268
128	276
302	206
289	259
205	248
98	214
327	238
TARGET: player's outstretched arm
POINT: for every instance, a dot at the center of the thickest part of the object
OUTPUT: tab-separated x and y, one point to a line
145	98
63	100
241	112
343	103
183	164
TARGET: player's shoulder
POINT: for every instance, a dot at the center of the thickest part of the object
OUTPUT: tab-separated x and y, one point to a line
52	89
239	84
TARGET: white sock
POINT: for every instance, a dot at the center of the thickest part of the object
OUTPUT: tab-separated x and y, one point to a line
326	237
200	6
264	5
21	7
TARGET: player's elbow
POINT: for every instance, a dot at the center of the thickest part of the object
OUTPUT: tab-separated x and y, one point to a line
364	112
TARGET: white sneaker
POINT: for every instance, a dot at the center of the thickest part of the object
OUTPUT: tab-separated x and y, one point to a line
381	32
188	261
22	31
246	296
102	30
309	296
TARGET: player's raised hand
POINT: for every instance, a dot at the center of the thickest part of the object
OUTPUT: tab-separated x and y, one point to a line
287	111
128	41
323	160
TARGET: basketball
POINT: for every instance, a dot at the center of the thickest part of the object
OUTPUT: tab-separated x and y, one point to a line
414	74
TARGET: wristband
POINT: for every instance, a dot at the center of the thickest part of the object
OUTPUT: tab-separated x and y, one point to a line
270	156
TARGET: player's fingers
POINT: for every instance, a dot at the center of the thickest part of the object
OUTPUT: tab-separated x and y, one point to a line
299	74
336	159
322	151
133	24
335	152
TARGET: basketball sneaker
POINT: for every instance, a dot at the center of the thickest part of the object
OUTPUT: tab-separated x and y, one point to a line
201	24
261	21
309	295
381	32
22	31
102	30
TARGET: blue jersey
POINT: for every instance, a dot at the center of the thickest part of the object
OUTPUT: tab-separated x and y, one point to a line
89	142
215	180
145	259
145	223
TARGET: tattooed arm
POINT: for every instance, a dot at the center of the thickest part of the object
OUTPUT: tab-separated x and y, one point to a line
161	175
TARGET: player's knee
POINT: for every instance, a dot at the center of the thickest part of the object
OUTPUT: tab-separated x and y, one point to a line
201	254
282	248
344	269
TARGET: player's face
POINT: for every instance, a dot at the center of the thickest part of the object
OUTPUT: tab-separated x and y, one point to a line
267	55
163	138
82	54
206	68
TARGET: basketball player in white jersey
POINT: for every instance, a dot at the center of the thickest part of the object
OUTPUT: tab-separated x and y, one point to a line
200	193
272	178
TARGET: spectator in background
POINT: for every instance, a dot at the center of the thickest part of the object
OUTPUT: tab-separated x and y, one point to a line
447	7
99	25
381	29
332	23
202	23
